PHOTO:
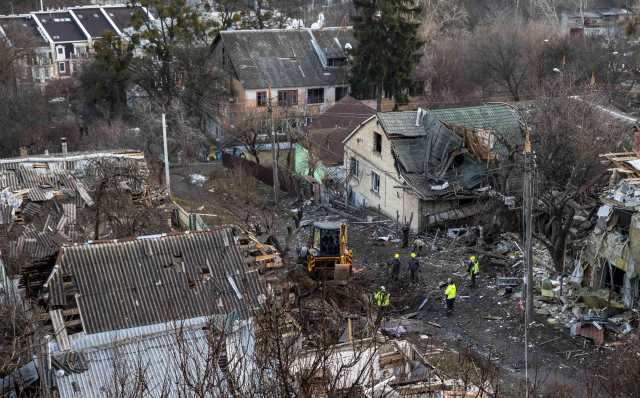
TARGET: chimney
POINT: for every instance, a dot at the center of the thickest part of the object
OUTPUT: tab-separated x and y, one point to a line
24	151
63	144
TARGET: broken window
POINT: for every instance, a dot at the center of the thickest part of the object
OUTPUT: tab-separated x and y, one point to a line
287	97
261	98
377	143
315	96
375	182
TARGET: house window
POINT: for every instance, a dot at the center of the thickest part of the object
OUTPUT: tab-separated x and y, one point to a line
287	97
336	62
354	167
261	98
377	143
315	96
341	92
61	67
375	182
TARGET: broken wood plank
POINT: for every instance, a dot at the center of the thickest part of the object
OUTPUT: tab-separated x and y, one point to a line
434	324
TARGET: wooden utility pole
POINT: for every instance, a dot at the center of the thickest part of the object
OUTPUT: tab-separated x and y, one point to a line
527	217
274	157
527	220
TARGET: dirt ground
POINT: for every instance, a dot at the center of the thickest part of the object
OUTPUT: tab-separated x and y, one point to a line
485	321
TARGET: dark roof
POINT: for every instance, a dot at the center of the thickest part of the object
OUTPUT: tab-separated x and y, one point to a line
122	16
22	32
60	26
286	58
155	279
93	21
327	131
346	113
500	118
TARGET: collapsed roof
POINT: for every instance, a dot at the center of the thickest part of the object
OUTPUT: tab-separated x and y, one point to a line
446	152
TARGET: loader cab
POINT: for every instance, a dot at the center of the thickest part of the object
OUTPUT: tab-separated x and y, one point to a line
326	239
329	256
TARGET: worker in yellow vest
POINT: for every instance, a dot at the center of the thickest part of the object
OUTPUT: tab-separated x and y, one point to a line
450	295
381	299
473	267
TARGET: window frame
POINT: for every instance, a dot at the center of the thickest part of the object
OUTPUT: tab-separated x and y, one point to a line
62	67
285	100
309	96
354	166
262	99
377	143
375	177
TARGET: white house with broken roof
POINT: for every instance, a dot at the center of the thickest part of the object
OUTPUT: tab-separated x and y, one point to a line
429	167
303	69
62	40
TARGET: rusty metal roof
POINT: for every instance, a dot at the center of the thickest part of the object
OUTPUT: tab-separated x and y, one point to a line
154	279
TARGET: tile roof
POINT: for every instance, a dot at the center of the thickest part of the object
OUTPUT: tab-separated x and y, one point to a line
500	118
147	280
93	21
60	26
286	58
22	31
400	123
346	113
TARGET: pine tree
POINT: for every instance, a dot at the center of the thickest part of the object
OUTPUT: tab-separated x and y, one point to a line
388	47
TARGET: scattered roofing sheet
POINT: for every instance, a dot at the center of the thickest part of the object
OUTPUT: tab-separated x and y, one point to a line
93	21
147	280
61	27
286	58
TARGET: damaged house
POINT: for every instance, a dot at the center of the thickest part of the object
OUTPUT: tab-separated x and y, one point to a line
162	299
434	167
50	199
612	255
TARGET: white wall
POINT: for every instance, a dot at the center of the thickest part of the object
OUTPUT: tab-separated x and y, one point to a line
392	199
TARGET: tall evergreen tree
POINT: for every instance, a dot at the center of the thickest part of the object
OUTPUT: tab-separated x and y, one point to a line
388	47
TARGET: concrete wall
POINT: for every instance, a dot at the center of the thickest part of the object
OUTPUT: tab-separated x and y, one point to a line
393	200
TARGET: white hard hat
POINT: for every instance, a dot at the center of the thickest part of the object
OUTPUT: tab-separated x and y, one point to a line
383	288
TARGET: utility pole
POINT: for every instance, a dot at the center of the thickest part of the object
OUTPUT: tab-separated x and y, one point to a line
274	157
527	220
167	176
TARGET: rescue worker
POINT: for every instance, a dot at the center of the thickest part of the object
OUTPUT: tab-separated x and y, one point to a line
473	267
395	266
418	246
414	266
450	295
381	299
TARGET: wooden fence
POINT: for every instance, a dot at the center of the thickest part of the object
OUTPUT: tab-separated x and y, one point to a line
289	182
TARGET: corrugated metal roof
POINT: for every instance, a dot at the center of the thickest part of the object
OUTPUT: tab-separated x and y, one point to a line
148	280
285	58
153	354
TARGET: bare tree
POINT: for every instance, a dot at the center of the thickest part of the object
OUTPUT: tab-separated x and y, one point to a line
569	135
